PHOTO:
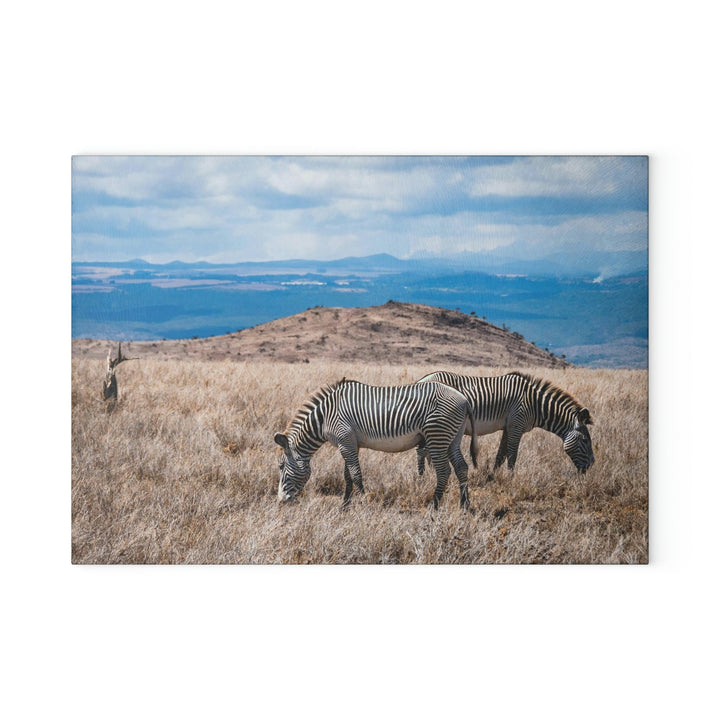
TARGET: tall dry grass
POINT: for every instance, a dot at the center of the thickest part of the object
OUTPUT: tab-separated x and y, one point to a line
184	470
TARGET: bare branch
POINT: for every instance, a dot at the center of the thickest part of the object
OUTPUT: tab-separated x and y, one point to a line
114	362
109	388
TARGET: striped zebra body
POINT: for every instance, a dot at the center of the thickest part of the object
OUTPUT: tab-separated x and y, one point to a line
516	403
352	415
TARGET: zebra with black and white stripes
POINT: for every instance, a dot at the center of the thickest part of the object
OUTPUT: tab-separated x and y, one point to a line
352	415
516	403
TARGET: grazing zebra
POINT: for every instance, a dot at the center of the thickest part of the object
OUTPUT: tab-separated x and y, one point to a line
352	415
516	403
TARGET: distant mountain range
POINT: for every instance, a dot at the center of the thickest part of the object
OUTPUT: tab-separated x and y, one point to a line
596	318
592	264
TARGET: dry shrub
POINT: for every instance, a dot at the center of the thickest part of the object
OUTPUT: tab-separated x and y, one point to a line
185	471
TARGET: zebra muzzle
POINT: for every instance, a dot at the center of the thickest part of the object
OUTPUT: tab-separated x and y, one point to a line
285	497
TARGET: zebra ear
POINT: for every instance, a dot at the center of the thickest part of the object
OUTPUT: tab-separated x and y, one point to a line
584	417
282	440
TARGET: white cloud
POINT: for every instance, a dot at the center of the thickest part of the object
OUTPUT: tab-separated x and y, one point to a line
560	176
471	233
449	235
607	233
274	207
310	246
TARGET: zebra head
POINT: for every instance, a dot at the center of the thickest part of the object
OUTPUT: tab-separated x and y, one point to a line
577	443
294	470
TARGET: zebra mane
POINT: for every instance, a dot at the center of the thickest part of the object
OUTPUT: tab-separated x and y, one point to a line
312	402
545	386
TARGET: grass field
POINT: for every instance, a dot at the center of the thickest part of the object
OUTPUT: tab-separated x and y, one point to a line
185	470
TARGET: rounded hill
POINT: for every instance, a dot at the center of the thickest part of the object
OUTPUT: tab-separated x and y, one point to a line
395	333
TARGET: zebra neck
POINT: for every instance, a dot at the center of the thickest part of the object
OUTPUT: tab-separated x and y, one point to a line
310	434
554	410
557	427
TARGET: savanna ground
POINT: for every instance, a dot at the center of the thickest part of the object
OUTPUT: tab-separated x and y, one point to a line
185	470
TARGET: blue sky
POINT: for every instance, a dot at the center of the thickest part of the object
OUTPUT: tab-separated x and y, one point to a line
231	209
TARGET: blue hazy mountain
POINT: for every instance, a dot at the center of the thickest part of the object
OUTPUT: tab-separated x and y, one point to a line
592	314
592	264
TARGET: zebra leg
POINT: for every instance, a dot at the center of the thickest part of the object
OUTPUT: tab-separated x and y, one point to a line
501	453
442	472
461	471
513	446
421	455
348	487
357	479
353	474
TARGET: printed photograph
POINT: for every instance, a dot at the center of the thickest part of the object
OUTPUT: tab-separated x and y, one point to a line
359	360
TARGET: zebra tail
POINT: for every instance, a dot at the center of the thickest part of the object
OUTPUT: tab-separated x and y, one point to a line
473	438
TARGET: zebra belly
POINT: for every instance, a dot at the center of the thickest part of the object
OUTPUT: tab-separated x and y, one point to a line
485	427
400	443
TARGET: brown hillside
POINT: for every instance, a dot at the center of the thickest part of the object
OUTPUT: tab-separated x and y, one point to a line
394	333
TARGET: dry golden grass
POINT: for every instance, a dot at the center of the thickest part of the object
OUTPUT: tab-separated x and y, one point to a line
184	470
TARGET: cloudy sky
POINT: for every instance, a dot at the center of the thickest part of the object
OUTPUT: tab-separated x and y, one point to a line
228	209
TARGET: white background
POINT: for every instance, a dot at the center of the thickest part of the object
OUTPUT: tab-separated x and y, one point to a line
371	78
